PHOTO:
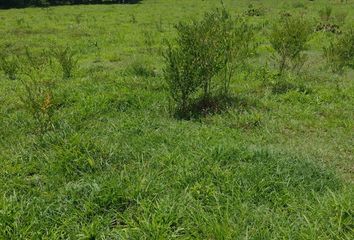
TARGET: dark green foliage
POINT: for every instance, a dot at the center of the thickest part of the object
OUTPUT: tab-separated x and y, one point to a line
204	58
288	38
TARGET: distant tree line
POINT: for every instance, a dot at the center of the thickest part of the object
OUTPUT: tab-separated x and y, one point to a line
42	3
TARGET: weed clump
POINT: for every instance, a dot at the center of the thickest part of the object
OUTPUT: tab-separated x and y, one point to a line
38	99
141	68
10	66
202	62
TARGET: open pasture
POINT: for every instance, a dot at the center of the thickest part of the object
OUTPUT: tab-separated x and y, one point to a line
90	148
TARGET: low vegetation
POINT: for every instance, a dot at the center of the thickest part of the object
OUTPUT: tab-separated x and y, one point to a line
9	65
177	119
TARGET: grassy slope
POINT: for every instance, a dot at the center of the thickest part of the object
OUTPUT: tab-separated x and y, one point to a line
117	165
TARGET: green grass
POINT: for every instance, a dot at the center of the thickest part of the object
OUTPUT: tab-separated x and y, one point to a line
116	165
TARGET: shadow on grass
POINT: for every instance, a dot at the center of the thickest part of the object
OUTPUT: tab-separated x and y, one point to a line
211	105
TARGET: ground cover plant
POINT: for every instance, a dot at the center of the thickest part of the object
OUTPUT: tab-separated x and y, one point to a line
89	148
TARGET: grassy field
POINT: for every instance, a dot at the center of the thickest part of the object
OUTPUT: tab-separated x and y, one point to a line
114	163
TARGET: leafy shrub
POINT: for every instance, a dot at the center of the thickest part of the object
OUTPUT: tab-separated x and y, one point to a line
340	52
66	59
203	60
10	65
288	38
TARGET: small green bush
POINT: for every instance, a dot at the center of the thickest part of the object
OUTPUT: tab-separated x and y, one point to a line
340	52
67	60
203	60
288	38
